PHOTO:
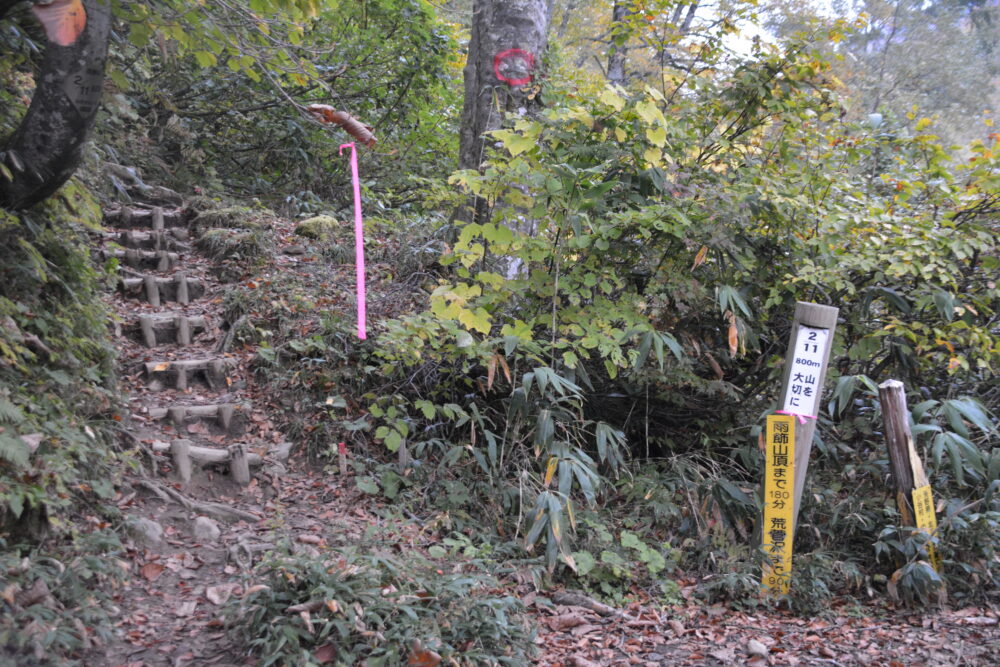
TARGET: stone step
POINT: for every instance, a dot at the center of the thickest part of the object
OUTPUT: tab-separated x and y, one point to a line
179	288
155	218
153	330
212	372
222	419
158	260
165	239
205	455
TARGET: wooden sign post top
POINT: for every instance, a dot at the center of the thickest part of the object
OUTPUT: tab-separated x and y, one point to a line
806	361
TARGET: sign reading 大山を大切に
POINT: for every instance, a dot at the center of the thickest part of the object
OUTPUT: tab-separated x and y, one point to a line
802	394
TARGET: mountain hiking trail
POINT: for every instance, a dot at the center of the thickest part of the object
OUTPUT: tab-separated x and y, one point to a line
216	486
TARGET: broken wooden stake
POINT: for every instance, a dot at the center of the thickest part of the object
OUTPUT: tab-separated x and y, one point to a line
913	491
342	458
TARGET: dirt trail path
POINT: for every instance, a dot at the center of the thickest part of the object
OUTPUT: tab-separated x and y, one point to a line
196	526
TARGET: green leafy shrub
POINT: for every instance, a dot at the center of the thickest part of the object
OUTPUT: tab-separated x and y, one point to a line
57	391
371	607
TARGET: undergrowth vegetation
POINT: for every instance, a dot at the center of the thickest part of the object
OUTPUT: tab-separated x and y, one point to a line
575	381
371	606
58	462
593	368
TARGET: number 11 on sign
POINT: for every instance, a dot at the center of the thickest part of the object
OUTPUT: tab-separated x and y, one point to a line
779	483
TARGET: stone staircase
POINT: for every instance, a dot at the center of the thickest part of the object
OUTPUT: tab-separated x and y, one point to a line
189	398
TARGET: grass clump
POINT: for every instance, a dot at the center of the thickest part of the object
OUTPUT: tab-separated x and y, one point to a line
371	608
55	602
233	217
238	252
318	228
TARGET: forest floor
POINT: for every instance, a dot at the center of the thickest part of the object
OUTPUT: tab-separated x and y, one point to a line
190	556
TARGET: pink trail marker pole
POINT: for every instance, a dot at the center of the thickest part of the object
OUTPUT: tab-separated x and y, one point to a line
359	242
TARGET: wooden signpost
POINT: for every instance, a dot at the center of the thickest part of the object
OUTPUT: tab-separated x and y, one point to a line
805	370
789	437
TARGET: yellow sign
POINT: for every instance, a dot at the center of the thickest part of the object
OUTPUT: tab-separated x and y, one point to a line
923	507
779	485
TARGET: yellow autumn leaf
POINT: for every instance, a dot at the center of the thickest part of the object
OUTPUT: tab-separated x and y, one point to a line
699	259
161	367
734	335
657	136
612	99
550	470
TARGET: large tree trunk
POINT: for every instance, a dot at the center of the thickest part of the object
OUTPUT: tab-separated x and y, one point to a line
46	149
505	51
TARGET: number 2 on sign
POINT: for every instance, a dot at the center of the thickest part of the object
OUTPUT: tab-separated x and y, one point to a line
809	345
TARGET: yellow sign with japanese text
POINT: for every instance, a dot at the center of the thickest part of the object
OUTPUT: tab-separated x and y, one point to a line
926	519
779	483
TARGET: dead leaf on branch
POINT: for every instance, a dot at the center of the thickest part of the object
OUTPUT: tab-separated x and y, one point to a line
63	20
327	114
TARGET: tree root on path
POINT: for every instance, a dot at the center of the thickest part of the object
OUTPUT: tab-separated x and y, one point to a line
215	510
579	600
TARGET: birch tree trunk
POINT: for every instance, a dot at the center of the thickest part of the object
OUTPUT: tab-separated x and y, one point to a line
46	148
506	47
617	52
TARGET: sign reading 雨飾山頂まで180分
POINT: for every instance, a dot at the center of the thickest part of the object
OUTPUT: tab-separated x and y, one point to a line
802	394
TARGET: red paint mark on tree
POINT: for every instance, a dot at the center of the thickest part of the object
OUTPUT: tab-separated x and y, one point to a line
514	66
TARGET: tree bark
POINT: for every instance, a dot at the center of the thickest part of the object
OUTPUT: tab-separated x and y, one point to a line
616	53
505	50
47	147
6	5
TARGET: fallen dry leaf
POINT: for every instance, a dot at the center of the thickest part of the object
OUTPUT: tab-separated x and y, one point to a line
151	571
422	657
186	608
219	594
325	653
725	655
756	648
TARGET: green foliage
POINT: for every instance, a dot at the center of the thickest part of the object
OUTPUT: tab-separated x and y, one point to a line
630	296
371	606
57	393
218	92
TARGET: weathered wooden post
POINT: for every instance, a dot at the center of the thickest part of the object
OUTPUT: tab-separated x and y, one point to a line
181	451
239	465
808	354
913	492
